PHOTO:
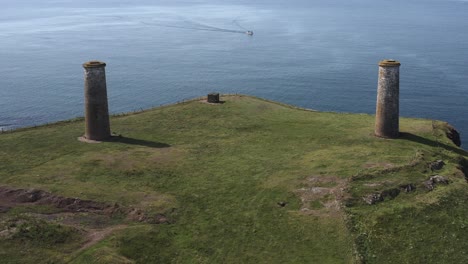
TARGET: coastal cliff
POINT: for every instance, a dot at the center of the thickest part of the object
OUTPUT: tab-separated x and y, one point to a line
243	181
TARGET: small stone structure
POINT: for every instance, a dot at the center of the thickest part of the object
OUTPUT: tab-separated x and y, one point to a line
96	107
388	93
213	98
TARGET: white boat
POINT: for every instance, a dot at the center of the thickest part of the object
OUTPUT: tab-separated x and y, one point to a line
249	32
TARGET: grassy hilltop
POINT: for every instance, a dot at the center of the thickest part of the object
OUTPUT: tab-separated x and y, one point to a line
246	181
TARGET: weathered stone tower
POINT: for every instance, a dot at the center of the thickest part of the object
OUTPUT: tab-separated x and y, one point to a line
96	108
388	102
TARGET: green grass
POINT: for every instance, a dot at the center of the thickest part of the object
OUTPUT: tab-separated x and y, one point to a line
35	240
218	172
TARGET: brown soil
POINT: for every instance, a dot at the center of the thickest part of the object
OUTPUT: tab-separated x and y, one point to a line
10	197
13	197
322	195
93	219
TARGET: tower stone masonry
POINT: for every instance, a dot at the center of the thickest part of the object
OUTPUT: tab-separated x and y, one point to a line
388	101
97	126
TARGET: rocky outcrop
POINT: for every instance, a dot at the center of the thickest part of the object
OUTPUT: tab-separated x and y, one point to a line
463	166
373	198
436	165
453	135
435	180
381	196
407	187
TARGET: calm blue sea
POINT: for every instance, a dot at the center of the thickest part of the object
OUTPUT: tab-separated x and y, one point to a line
319	54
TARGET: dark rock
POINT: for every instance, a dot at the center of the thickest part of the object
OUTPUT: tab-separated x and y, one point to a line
434	180
282	204
392	193
463	167
453	135
373	198
408	187
379	197
437	179
213	98
436	165
429	185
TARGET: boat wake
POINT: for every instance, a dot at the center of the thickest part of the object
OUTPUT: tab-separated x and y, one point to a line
193	25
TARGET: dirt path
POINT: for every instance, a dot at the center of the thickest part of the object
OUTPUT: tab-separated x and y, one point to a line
96	235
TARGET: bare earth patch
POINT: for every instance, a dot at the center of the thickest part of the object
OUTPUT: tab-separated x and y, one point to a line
95	220
322	195
70	208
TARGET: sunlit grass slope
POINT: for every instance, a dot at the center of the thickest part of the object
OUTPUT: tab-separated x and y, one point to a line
239	183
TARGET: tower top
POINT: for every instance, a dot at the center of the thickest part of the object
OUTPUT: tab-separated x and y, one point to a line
389	63
94	64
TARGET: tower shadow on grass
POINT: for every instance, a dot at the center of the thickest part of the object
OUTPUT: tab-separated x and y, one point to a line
432	143
138	142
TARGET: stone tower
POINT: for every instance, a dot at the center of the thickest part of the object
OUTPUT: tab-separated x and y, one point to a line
388	105
96	107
